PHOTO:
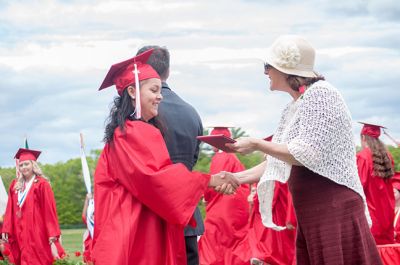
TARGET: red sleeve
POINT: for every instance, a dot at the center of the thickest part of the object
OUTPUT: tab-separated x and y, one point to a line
48	204
8	222
363	169
290	215
140	162
225	162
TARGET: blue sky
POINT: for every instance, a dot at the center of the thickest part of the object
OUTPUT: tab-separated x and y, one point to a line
55	54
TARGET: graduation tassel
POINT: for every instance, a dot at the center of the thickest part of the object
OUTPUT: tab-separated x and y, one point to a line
391	138
138	109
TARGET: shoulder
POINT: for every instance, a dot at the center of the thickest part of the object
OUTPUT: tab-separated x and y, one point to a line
137	130
322	96
41	180
41	183
364	154
320	88
171	99
12	184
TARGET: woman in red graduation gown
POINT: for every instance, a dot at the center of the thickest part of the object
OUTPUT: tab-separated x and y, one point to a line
268	246
396	222
30	222
142	200
88	220
227	216
375	168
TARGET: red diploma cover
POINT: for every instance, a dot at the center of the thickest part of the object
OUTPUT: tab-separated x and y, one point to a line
218	141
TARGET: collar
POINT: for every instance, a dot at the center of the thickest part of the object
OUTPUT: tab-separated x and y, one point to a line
164	85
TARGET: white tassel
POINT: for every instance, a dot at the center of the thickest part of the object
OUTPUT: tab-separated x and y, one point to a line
138	109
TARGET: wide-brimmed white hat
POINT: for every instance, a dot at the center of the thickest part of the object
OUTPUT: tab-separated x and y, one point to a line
292	55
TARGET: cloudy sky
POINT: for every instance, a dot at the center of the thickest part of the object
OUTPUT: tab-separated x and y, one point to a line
55	54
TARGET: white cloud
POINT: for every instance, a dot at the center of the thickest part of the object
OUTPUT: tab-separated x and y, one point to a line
54	55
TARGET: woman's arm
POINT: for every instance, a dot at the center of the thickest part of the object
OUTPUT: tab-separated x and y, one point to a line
86	204
247	145
251	175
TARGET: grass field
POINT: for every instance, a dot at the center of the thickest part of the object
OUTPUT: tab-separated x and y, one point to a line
72	242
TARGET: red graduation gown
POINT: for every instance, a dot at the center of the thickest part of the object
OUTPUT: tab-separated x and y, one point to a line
380	198
274	247
142	200
29	234
396	179
87	244
226	220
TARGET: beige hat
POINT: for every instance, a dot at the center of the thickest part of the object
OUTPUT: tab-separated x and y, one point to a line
292	55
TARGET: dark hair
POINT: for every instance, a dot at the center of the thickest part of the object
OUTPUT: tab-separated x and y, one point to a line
382	163
159	59
295	82
122	109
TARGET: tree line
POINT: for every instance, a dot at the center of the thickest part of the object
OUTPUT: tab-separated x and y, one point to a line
69	189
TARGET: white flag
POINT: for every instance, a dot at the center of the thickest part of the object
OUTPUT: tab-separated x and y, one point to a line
3	197
85	167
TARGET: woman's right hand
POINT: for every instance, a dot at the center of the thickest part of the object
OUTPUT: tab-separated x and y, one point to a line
225	182
4	237
54	251
244	145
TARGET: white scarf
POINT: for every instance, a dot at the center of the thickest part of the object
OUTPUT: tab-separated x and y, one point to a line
318	131
22	195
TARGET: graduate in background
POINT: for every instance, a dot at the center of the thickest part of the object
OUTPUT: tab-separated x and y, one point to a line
142	200
88	207
30	222
227	216
376	168
396	190
88	220
266	245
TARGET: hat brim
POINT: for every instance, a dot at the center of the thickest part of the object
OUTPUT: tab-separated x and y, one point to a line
302	73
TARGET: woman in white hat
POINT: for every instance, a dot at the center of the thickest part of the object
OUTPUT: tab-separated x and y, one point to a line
313	149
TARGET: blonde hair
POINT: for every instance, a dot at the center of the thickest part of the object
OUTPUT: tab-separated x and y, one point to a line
382	163
36	170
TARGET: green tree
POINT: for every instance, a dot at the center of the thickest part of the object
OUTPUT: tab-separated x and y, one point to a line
395	151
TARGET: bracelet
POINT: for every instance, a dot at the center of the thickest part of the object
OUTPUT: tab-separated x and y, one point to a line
52	240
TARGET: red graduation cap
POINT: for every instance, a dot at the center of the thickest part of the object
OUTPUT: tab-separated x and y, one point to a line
221	130
27	154
127	73
123	74
372	130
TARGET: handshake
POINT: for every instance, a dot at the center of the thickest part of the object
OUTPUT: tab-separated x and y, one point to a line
224	182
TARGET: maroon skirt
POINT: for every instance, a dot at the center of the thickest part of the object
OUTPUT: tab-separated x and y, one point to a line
332	227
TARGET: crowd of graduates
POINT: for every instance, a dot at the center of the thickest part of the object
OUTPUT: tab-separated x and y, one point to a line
234	233
145	192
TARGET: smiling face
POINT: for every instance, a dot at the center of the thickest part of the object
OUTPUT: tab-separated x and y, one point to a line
278	80
150	97
26	168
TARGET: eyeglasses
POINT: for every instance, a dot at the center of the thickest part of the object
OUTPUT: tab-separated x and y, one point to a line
267	66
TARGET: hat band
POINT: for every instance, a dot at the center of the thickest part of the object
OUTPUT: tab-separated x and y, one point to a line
374	133
26	156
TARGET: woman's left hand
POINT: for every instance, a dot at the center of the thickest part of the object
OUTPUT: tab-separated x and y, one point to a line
244	145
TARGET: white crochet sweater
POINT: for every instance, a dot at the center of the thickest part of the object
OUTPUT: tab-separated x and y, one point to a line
317	128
